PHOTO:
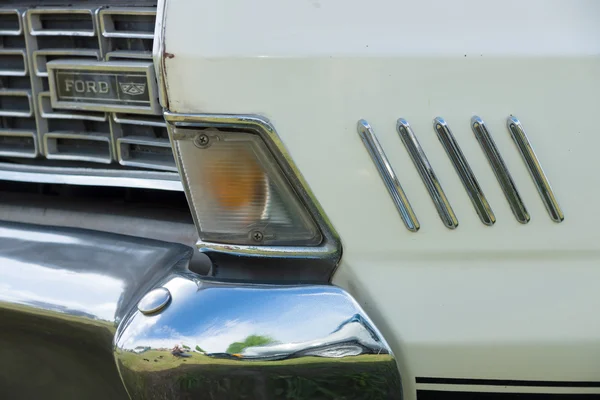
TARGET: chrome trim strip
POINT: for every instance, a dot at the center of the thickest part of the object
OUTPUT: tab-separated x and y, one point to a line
158	53
132	119
535	169
464	171
124	54
90	176
500	170
388	175
417	154
328	252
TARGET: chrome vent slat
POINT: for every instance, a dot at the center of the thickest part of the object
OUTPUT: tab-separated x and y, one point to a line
535	169
388	175
417	154
500	170
463	170
30	127
461	165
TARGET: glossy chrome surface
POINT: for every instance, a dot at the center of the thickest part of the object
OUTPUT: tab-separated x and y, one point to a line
388	175
90	177
328	252
63	293
428	176
213	340
464	171
535	169
500	170
154	301
229	341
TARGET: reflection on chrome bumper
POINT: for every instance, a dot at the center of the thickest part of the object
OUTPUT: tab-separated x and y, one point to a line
210	340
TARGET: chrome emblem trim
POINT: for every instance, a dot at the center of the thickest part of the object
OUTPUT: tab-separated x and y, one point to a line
132	88
535	169
500	170
115	86
428	176
388	175
464	171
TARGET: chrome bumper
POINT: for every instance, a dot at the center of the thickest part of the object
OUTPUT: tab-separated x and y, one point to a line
70	306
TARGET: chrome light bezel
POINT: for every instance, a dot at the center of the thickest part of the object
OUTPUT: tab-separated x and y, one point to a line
329	250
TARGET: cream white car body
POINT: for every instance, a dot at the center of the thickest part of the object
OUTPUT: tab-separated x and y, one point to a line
510	301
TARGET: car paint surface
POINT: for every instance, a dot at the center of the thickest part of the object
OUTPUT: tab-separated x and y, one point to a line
508	301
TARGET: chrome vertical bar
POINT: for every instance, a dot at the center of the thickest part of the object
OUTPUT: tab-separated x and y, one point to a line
499	167
535	169
388	175
464	171
428	176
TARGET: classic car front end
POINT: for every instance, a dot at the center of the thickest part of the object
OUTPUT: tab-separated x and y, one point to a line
306	200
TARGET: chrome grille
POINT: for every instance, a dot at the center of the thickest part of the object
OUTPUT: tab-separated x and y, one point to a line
32	131
18	137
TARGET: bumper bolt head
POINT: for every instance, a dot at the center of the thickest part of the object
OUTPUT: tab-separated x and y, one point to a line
154	301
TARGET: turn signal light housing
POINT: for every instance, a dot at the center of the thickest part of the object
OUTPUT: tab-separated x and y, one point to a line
238	192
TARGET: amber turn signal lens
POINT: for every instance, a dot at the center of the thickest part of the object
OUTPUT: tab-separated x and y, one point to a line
236	189
238	192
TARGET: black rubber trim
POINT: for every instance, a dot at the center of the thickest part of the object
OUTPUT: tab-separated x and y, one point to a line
508	382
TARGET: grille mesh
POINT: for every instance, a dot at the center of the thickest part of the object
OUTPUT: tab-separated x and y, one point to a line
31	128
